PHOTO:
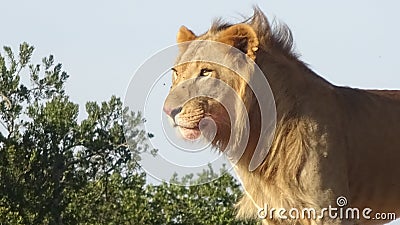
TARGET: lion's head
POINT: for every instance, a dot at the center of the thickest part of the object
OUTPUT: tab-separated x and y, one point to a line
209	84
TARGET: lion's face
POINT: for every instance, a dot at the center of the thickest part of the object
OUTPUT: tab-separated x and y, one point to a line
192	112
203	92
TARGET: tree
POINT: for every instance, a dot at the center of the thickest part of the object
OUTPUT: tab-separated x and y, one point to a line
55	169
208	203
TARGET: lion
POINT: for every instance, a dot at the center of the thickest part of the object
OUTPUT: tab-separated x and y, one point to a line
330	142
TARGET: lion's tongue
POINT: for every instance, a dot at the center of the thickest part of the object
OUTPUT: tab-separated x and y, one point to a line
190	134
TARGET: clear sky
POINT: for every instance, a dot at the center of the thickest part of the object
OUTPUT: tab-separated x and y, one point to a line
102	43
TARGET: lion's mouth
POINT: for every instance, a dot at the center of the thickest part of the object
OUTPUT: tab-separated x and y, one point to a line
190	133
192	129
189	127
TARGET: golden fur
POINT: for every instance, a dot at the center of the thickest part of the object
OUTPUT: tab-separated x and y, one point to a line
329	141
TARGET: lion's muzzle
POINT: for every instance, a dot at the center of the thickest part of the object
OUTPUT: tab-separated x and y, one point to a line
190	119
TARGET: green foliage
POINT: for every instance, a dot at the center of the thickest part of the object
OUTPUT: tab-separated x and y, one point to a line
208	203
55	169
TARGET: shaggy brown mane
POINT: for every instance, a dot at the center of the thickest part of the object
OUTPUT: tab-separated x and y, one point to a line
275	35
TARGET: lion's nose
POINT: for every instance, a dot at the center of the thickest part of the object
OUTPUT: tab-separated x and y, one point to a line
167	110
172	112
175	112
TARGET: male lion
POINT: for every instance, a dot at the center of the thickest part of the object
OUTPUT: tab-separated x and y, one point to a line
329	141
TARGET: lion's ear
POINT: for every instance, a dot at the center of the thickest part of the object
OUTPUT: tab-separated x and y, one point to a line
242	37
184	34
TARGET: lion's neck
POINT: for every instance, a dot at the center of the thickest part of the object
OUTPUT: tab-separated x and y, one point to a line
292	83
294	87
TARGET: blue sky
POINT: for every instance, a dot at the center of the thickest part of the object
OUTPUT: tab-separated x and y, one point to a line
102	43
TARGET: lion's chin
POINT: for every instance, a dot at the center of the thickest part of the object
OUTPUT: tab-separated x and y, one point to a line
206	128
190	133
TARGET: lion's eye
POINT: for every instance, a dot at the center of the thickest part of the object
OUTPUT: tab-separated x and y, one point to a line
174	74
205	72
